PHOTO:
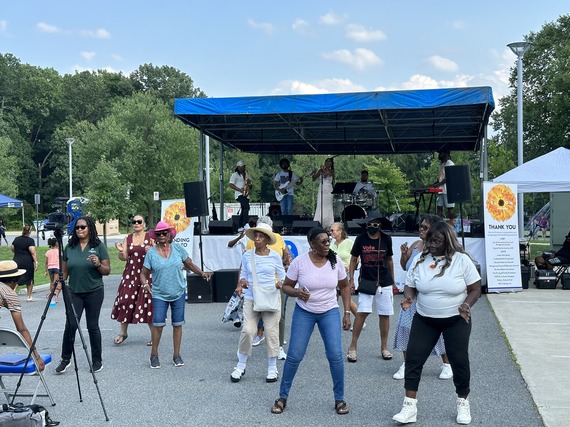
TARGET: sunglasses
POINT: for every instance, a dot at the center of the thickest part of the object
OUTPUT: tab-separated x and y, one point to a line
374	224
325	241
137	221
80	227
162	233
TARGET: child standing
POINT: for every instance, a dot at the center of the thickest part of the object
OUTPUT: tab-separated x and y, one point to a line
52	262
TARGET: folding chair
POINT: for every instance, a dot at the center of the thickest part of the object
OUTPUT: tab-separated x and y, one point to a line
12	364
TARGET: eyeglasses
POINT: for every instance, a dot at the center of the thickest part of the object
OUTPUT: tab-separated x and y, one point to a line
80	227
434	242
373	224
425	227
137	221
162	233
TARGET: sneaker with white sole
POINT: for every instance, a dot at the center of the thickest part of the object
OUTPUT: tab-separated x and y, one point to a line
409	412
363	326
177	360
272	375
154	362
97	366
446	372
463	411
257	340
62	366
236	375
282	354
401	372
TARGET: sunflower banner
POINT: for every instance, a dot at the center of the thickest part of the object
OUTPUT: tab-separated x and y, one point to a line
502	237
173	212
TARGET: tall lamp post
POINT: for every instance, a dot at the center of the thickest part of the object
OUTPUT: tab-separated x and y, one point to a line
70	142
519	48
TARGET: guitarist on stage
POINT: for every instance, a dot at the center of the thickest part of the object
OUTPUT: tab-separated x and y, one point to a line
284	183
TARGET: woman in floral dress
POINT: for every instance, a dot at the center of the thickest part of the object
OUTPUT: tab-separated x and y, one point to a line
132	305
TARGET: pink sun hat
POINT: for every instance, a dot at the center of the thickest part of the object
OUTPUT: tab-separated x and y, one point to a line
161	226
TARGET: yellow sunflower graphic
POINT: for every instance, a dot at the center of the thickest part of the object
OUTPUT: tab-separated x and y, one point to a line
175	216
501	202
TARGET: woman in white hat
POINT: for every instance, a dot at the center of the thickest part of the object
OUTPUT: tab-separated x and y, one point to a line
9	275
164	260
259	266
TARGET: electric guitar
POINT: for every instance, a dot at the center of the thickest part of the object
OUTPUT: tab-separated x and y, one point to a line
284	188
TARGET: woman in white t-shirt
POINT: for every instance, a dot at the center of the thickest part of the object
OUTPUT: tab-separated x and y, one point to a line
446	284
318	273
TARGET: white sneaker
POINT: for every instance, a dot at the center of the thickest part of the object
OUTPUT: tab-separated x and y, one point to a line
446	372
463	411
400	374
282	354
363	326
272	375
236	374
409	411
257	340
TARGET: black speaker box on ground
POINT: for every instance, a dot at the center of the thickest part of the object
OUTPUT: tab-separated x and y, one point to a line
195	198
199	290
458	184
303	227
225	282
221	227
274	209
410	224
353	228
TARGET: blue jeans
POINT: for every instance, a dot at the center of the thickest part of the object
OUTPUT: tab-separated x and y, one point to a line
160	307
302	325
287	204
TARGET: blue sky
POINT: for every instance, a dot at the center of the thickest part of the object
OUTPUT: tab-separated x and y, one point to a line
241	48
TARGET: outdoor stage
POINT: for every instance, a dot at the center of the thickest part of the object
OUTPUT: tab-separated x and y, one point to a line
217	255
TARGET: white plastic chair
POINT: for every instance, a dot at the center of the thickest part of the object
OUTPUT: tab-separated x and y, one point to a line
13	353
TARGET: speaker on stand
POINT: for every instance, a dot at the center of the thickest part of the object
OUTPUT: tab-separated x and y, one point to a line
196	202
458	183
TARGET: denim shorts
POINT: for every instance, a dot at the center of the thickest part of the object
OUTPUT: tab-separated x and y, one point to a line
53	270
160	307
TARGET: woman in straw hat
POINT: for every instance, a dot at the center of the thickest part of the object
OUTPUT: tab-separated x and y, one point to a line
9	275
259	267
164	260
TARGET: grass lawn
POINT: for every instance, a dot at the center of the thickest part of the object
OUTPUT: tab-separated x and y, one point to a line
117	266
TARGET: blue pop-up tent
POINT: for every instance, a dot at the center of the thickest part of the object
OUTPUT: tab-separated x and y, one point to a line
8	202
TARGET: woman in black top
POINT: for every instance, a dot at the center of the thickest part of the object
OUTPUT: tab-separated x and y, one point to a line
25	256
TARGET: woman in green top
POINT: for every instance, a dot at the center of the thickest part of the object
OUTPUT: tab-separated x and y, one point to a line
342	245
85	262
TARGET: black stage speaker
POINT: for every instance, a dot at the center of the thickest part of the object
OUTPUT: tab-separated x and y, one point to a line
302	227
353	228
410	224
199	290
221	227
458	184
195	198
274	209
278	226
225	283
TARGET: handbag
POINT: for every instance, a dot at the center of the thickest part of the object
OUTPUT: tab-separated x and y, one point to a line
264	298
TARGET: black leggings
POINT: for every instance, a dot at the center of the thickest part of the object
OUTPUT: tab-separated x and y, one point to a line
244	214
423	337
91	302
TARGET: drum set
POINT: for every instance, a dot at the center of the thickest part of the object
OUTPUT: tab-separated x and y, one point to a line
349	206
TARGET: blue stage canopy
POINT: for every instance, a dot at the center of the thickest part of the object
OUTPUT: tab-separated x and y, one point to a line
8	202
389	122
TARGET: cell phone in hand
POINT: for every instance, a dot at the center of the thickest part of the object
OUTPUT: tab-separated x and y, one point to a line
305	289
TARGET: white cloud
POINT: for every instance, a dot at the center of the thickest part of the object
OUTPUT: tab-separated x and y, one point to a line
442	64
334	85
3	26
87	55
47	28
302	27
459	25
360	58
100	33
80	69
360	34
332	18
264	27
420	81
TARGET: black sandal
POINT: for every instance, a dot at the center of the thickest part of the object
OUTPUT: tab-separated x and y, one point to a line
279	406
340	407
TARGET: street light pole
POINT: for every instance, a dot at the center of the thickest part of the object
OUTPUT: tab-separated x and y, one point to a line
70	142
519	48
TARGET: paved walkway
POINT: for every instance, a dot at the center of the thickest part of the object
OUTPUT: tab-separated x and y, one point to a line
201	392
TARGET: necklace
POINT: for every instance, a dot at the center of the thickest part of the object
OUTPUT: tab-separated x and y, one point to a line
436	261
164	251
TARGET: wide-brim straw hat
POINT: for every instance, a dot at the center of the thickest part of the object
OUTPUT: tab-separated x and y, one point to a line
263	228
161	226
10	269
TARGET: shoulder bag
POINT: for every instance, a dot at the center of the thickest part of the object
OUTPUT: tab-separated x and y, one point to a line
264	298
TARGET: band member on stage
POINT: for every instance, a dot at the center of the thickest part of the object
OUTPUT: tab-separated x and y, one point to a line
364	184
324	212
241	184
444	157
284	184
